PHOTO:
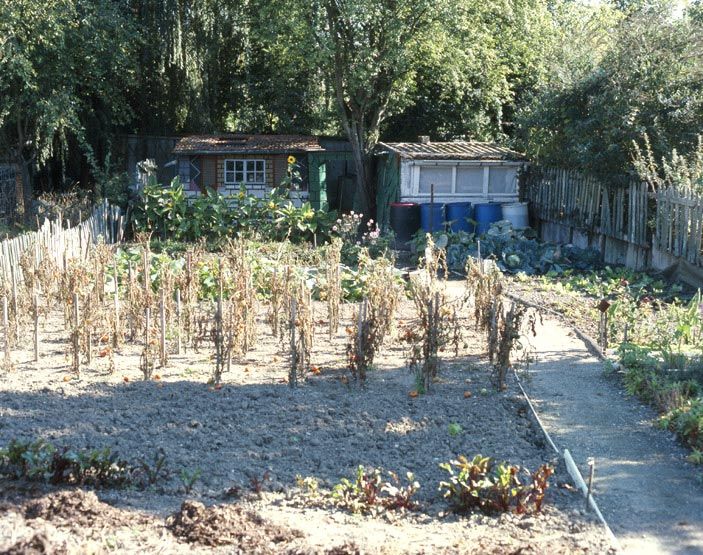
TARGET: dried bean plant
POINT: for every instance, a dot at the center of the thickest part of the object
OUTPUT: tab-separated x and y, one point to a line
373	320
235	327
503	328
300	329
437	317
334	284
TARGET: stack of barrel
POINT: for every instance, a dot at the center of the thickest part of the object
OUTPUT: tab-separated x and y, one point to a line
407	218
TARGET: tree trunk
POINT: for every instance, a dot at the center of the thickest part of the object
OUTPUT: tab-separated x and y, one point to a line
364	177
27	188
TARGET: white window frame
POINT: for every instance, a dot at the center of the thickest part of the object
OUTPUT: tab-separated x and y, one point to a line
248	166
453	164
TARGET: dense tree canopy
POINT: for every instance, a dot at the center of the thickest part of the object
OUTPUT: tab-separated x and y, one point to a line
643	76
571	83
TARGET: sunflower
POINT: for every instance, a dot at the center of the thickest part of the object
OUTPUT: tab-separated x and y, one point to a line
291	159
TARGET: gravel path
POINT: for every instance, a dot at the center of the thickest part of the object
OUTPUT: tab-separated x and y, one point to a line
647	492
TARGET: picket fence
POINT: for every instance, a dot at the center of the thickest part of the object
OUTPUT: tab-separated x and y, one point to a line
668	221
678	224
106	223
570	198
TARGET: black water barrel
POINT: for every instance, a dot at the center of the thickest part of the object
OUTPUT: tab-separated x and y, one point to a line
405	220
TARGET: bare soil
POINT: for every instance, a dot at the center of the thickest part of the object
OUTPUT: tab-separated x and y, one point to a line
255	429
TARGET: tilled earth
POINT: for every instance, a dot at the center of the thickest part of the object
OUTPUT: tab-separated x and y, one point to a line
255	432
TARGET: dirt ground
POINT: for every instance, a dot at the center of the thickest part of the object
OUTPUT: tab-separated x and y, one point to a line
256	426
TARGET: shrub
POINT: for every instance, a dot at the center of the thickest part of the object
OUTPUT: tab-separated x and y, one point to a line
167	212
687	422
491	487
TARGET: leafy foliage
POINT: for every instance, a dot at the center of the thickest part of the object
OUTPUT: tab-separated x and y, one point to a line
41	461
638	71
368	492
480	483
171	215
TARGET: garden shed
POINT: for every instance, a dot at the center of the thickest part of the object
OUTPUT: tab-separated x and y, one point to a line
260	162
459	170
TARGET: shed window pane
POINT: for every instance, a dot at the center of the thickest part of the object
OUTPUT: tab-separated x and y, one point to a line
469	180
441	177
502	180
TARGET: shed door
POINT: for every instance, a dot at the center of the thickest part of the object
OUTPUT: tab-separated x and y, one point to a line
209	173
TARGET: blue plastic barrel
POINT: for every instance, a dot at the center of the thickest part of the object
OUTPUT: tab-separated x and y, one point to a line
485	214
458	215
433	212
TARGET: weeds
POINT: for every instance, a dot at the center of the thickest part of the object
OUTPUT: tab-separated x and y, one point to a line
256	484
156	469
189	478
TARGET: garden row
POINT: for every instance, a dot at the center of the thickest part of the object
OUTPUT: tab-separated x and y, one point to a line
478	483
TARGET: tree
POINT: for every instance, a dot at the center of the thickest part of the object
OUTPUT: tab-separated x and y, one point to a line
62	63
644	77
470	78
369	48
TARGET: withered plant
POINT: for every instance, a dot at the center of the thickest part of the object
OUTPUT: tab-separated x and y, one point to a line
189	285
508	335
373	320
437	321
147	360
334	284
484	287
503	327
300	330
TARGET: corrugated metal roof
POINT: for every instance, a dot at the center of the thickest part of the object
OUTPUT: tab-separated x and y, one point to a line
458	150
243	144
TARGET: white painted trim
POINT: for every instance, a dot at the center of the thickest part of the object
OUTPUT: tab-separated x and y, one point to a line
415	180
244	181
486	171
454	180
463	163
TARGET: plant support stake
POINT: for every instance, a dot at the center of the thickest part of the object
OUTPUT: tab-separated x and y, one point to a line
178	321
162	322
591	471
36	327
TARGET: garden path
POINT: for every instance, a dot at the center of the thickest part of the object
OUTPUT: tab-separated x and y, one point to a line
644	487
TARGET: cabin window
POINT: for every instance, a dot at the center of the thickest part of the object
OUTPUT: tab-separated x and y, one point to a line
248	172
502	181
469	179
441	177
461	179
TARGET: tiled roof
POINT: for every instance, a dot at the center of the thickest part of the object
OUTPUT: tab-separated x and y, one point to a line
459	150
243	144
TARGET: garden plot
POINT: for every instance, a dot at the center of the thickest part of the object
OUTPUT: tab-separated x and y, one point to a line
248	439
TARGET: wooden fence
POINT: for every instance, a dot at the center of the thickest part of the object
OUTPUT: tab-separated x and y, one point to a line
106	222
653	229
569	198
678	224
